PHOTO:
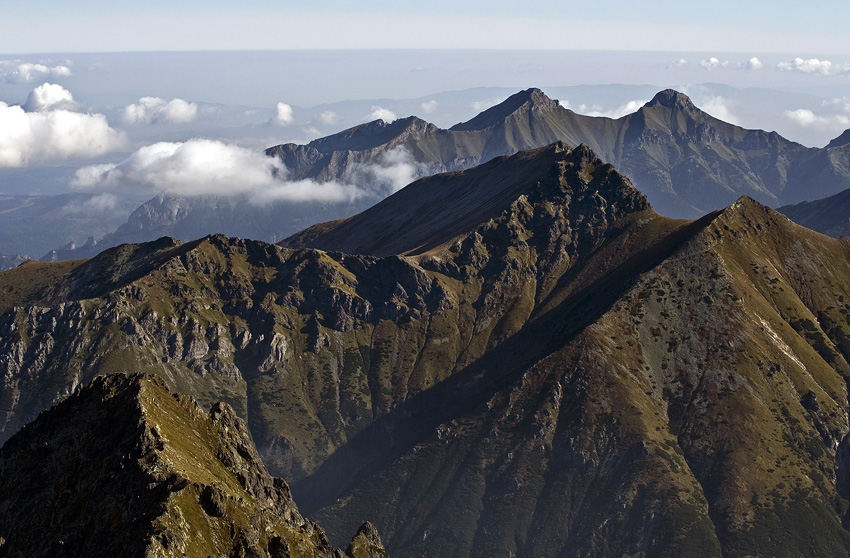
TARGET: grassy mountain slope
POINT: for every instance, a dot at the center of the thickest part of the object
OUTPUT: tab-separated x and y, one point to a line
125	468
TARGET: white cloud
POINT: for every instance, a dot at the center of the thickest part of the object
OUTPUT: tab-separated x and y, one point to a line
752	64
813	66
101	203
480	106
202	166
379	113
597	110
283	115
719	107
17	71
28	138
393	171
842	103
681	62
329	118
152	110
49	96
808	119
198	166
713	63
429	107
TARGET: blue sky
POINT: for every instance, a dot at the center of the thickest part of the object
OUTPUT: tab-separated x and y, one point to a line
42	26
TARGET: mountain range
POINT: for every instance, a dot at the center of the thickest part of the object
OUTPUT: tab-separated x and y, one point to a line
686	162
522	358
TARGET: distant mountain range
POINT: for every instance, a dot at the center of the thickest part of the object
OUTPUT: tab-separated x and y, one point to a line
524	358
686	162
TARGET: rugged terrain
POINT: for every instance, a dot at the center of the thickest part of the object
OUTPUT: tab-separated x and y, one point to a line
123	468
524	358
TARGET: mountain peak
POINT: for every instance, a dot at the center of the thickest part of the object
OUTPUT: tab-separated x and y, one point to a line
842	140
673	99
436	210
526	100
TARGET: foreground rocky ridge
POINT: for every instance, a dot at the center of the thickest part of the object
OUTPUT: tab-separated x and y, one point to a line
564	373
123	468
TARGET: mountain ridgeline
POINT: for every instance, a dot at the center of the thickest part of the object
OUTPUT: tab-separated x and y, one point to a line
523	358
686	161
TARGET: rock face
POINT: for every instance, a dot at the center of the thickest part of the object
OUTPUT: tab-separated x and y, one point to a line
526	360
123	468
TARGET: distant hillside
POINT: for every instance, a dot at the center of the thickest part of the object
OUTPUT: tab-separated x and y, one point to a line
828	215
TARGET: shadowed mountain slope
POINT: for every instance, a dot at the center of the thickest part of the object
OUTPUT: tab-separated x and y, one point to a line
550	369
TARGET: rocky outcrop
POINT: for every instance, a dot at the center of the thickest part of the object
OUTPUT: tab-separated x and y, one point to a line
124	468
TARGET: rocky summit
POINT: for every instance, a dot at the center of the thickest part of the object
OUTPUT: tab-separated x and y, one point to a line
522	358
123	468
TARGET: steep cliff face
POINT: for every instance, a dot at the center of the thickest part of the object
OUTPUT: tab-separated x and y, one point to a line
123	468
527	359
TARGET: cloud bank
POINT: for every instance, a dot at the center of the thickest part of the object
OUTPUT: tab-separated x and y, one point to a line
47	131
153	110
713	63
596	110
209	167
752	64
17	71
807	119
813	66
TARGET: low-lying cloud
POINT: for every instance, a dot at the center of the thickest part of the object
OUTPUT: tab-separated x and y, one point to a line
153	110
47	131
394	170
806	118
18	71
284	115
329	118
752	64
210	167
380	113
813	66
626	108
713	63
429	107
719	107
